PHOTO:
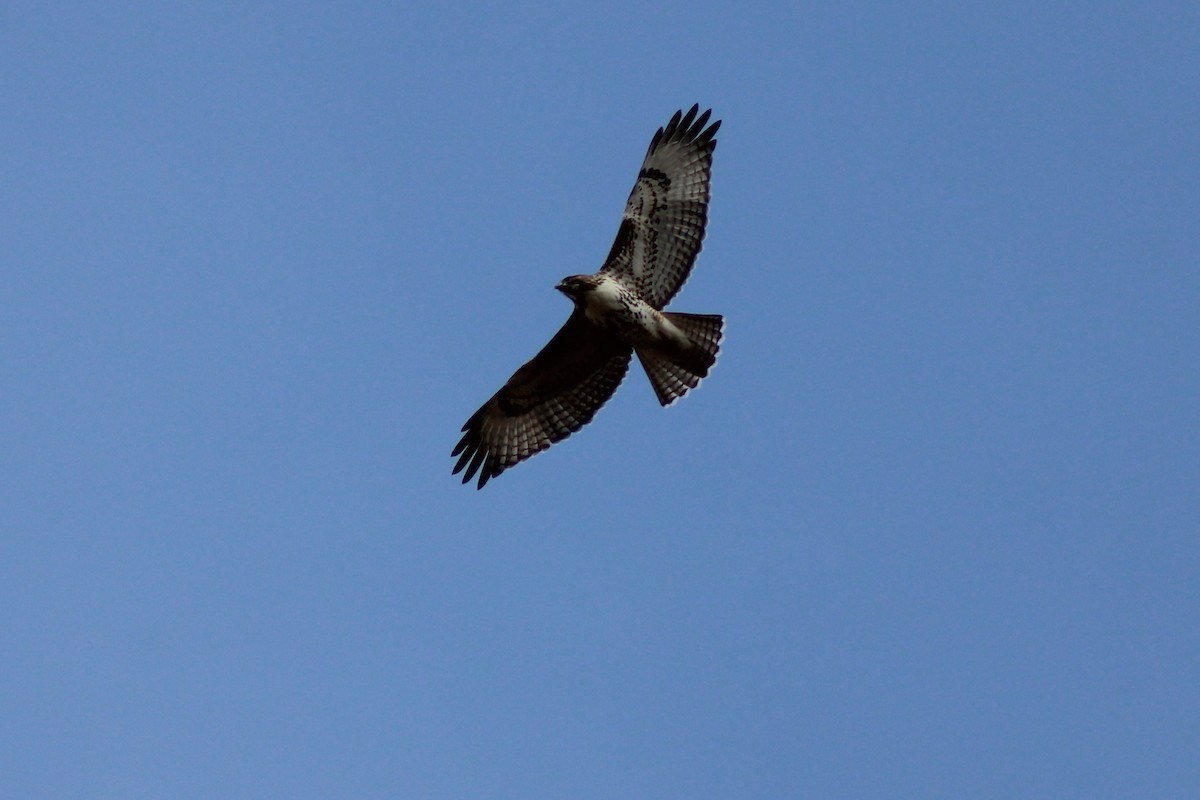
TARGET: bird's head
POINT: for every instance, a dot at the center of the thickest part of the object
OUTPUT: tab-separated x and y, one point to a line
574	286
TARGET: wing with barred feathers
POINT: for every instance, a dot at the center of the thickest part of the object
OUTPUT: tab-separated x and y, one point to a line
545	401
663	225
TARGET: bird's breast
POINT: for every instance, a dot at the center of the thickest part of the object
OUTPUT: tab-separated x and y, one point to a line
606	302
622	311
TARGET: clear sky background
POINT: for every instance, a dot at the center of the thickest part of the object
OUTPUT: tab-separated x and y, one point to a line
930	529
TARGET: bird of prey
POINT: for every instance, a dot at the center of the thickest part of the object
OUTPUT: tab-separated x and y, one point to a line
618	312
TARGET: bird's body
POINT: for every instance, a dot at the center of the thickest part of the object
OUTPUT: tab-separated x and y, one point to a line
609	305
618	312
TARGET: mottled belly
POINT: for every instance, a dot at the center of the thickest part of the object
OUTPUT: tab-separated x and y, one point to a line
634	321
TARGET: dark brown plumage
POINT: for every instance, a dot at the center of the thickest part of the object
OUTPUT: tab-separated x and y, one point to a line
617	311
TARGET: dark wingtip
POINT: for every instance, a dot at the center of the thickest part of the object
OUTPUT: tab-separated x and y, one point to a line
685	124
697	131
471	450
686	127
462	461
476	461
658	136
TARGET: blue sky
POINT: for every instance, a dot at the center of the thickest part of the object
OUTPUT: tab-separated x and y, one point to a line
928	530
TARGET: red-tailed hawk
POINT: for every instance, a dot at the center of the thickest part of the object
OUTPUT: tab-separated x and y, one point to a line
618	311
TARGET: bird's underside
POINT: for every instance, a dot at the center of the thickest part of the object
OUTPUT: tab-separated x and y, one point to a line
618	311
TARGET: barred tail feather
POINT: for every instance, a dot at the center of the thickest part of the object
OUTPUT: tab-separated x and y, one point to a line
706	332
673	374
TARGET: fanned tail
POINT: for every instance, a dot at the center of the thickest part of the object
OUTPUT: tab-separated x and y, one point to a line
673	374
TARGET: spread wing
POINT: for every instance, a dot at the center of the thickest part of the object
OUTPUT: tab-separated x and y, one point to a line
664	219
549	398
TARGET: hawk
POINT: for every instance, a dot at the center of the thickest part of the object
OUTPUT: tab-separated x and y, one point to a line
618	312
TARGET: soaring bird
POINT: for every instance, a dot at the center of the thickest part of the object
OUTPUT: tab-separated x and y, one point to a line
618	311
